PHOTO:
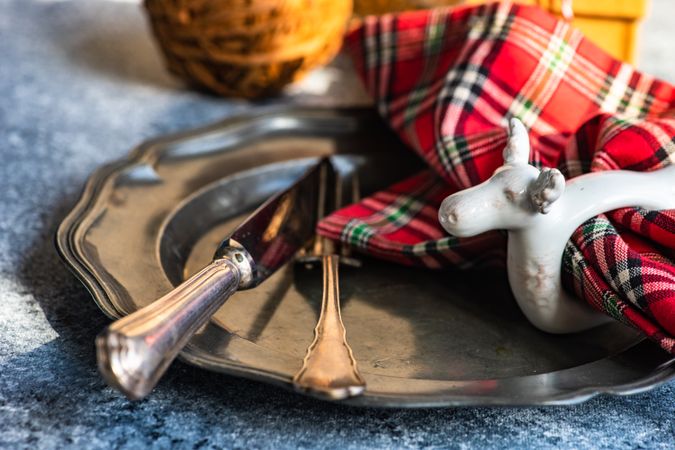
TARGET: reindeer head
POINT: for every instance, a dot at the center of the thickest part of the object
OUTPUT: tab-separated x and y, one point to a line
510	199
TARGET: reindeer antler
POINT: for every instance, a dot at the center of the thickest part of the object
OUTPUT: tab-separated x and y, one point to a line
517	150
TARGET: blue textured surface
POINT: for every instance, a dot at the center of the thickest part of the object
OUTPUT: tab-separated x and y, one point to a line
80	84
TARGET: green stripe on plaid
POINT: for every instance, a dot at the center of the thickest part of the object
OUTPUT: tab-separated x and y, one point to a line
613	306
357	233
433	45
397	215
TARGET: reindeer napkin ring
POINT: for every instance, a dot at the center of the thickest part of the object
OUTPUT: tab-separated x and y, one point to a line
540	211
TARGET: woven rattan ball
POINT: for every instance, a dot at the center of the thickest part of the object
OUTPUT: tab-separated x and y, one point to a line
247	48
367	7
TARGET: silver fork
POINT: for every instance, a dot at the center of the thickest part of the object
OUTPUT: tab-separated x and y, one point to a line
329	369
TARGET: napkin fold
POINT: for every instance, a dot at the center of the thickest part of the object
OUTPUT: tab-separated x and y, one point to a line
447	80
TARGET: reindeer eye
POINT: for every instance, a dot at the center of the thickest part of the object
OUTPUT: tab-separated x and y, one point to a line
510	195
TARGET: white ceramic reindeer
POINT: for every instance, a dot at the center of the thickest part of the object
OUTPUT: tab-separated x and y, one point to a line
540	212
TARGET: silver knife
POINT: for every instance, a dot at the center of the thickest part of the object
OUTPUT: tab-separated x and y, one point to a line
134	352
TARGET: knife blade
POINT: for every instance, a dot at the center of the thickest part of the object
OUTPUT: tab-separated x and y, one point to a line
134	352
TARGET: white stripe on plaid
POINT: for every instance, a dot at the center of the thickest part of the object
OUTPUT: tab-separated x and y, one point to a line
388	56
532	39
617	89
425	89
461	86
370	47
547	76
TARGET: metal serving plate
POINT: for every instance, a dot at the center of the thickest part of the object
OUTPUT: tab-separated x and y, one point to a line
421	338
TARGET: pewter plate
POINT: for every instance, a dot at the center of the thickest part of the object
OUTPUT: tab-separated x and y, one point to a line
421	338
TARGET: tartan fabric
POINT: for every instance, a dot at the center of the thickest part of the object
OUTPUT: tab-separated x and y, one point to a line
447	80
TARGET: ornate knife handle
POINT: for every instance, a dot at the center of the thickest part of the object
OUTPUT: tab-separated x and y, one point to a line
134	352
329	368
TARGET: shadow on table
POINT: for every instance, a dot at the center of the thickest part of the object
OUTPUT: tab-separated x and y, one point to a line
111	38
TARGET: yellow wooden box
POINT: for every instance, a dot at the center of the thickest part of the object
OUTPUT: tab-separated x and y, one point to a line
612	24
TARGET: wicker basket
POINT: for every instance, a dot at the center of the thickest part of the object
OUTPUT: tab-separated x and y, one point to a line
247	48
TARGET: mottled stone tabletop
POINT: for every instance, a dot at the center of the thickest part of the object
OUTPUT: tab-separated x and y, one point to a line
80	85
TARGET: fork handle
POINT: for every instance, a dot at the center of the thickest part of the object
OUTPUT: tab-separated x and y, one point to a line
134	352
329	368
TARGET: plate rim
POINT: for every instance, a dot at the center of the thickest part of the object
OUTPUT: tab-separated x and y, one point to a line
85	271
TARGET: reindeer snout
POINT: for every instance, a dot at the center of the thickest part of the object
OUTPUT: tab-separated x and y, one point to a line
462	216
448	215
450	218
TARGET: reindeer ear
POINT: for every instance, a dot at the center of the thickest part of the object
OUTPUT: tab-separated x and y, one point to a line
517	149
546	189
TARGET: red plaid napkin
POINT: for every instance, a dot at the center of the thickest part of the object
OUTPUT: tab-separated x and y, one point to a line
447	80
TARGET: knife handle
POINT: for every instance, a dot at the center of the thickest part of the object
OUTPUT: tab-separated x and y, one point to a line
134	352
